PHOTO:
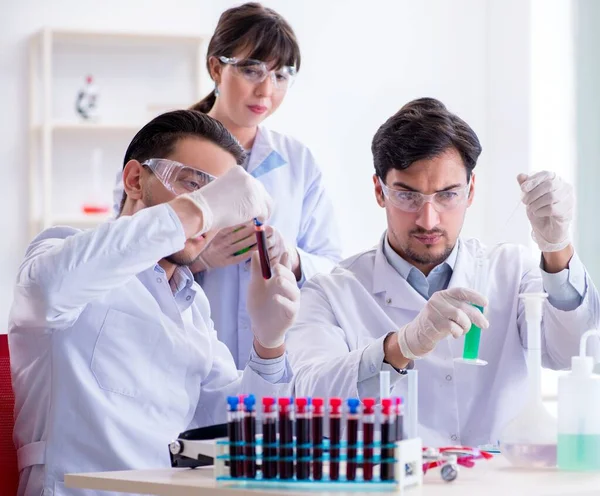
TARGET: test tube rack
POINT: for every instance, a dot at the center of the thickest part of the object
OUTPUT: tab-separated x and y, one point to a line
407	465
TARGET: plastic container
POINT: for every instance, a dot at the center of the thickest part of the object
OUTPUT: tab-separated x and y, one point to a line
579	414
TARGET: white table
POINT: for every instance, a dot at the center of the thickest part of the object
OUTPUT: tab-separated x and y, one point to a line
487	478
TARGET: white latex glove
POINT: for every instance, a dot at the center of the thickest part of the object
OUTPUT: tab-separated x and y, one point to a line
277	247
224	249
232	199
550	202
448	312
273	303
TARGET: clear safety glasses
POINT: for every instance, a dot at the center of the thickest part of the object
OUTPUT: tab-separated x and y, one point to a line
176	177
413	201
255	72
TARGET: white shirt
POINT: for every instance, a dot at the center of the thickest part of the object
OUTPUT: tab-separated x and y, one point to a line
110	360
336	345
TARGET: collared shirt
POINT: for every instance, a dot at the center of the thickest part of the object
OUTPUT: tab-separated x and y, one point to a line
437	279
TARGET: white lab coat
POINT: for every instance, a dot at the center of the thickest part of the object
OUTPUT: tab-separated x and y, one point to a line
303	214
349	312
108	363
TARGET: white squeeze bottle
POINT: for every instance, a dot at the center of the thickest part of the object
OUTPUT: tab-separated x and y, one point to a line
579	413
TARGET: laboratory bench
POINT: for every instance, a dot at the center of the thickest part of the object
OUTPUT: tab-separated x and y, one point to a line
488	477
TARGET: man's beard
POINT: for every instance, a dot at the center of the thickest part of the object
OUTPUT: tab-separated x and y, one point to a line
427	258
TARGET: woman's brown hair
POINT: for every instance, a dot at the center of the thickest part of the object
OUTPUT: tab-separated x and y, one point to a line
256	30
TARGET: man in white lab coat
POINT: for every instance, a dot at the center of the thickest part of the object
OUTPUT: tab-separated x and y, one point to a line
408	301
113	350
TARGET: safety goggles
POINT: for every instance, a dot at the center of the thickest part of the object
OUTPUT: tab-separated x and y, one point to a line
255	72
413	201
176	177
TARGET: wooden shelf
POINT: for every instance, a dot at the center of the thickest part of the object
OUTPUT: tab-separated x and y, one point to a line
81	221
91	126
120	37
56	55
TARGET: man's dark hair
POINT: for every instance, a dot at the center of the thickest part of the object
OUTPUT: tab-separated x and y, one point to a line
422	129
158	138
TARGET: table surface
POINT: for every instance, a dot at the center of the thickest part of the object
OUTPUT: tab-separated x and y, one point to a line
491	477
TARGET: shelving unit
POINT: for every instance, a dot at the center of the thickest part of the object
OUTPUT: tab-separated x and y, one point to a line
138	74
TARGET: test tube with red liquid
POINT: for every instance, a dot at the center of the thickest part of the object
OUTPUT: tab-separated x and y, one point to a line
303	420
335	420
286	447
269	452
317	438
368	437
234	431
388	438
352	435
250	436
262	247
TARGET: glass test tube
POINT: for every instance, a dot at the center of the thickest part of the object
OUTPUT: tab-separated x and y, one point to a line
317	438
286	447
352	433
234	431
335	419
303	420
387	440
398	402
263	252
250	437
269	452
368	437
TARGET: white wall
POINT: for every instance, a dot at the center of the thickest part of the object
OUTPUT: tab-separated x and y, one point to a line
361	63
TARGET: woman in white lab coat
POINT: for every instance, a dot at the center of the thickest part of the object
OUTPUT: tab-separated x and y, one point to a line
253	58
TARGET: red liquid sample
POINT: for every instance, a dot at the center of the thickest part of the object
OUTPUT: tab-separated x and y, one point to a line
286	450
317	438
263	252
269	454
302	439
334	438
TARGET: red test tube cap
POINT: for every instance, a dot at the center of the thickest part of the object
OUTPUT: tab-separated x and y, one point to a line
335	404
267	403
317	404
369	405
301	405
386	405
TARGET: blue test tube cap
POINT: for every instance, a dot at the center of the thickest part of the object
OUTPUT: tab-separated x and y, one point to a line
233	402
308	400
353	404
257	222
249	402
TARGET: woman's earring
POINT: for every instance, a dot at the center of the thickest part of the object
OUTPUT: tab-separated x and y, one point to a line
216	90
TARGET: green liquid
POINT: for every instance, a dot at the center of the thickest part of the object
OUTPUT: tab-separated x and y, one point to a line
579	452
472	338
245	250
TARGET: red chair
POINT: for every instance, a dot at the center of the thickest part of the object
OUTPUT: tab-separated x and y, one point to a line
9	474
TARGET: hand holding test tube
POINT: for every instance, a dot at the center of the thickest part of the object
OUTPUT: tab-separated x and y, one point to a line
272	302
448	312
